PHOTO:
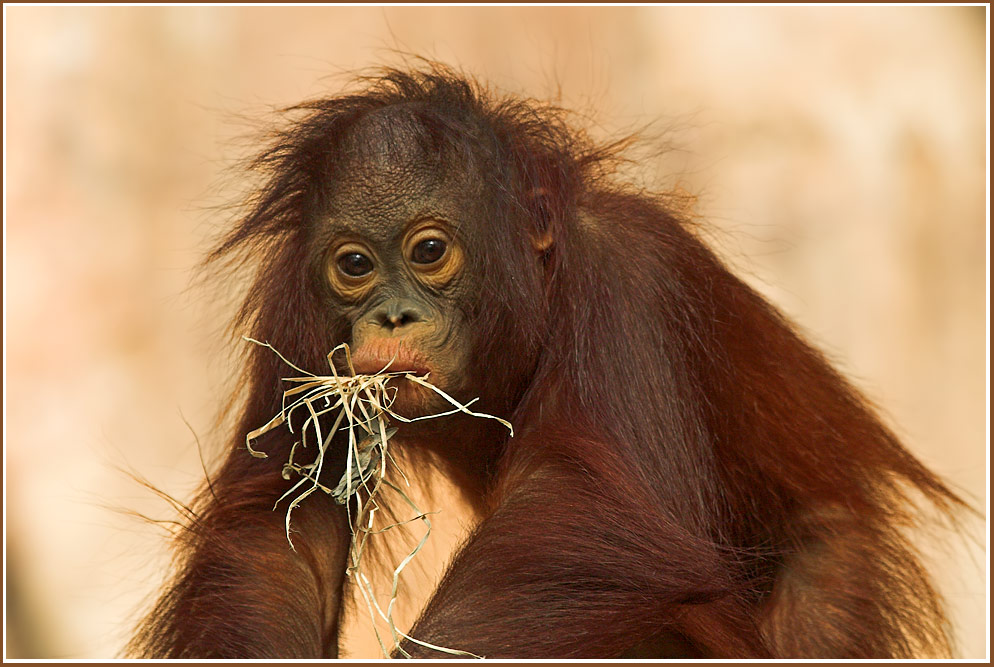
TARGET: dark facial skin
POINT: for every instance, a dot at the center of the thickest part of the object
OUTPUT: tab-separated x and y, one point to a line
395	263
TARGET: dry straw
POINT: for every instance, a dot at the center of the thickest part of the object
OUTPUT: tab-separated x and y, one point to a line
361	407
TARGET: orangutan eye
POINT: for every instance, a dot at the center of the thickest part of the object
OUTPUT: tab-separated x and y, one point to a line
428	251
355	264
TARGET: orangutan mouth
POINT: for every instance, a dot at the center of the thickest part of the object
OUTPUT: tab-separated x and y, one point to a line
390	357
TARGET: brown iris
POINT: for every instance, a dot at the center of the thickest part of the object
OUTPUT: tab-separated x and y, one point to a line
428	251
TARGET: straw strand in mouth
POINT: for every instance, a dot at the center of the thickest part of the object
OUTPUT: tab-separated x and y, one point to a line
363	405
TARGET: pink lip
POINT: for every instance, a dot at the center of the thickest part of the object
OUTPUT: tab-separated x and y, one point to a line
391	356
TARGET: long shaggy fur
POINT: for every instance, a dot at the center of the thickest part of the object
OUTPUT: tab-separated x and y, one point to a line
686	468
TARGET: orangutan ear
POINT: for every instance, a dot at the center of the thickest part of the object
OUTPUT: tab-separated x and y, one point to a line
542	236
542	242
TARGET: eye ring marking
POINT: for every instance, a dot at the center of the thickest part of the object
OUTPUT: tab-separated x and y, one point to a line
434	254
428	251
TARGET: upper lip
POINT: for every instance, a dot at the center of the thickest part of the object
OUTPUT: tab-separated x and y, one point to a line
391	356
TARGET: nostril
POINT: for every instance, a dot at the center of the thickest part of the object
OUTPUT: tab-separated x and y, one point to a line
405	317
395	315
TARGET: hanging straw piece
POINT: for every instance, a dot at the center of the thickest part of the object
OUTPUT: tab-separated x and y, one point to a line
361	405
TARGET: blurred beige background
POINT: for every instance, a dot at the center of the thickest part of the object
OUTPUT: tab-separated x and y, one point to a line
838	152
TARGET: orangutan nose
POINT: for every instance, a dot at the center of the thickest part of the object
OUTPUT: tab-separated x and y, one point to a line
397	313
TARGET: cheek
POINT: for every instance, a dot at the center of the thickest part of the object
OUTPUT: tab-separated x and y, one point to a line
450	346
453	359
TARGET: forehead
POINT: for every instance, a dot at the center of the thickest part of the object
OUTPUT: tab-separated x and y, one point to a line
390	170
